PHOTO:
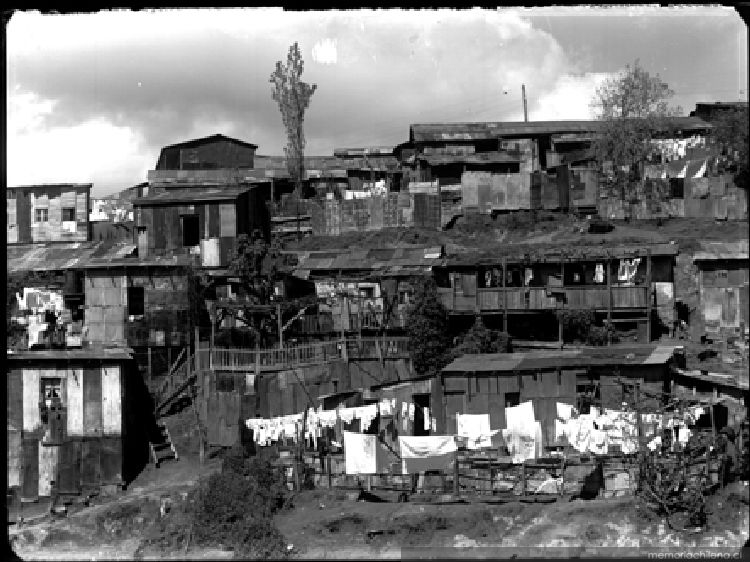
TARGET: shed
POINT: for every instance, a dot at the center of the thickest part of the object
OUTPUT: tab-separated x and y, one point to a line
582	377
76	421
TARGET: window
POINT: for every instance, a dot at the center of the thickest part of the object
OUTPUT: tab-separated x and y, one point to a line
41	215
367	292
68	214
190	230
135	301
512	399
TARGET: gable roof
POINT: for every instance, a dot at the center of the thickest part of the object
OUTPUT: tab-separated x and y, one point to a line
205	140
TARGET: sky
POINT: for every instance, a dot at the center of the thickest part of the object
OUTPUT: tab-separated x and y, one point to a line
94	97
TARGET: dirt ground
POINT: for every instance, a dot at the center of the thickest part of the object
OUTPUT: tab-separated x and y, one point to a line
330	524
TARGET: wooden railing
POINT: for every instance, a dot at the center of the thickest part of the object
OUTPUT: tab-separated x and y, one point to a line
224	359
538	298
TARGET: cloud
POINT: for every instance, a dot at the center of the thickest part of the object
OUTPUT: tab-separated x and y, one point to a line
570	98
324	51
100	94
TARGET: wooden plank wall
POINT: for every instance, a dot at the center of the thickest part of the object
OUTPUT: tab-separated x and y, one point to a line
111	400
31	396
48	456
30	486
92	402
74	386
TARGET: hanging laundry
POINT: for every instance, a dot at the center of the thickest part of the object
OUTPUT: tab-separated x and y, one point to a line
411	412
561	430
433	422
426	418
385	407
654	443
520	416
598	442
528	275
627	270
346	415
521	443
327	418
599	273
360	453
565	411
404	409
366	414
433	452
475	428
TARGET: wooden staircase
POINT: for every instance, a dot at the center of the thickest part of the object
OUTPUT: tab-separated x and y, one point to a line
179	384
162	448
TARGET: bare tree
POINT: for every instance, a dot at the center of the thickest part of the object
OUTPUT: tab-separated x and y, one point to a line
293	96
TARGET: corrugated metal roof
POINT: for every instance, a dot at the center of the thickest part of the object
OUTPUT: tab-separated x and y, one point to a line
432	132
56	256
722	251
476	158
194	194
91	352
543	252
53	185
391	259
545	359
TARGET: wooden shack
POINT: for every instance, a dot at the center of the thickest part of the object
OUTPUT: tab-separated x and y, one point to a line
724	283
628	284
200	221
584	377
75	422
48	213
142	303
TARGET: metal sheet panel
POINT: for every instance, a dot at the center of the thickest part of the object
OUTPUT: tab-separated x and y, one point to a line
228	220
31	389
48	456
111	400
15	399
15	458
214	224
92	402
30	484
91	463
111	460
75	402
68	468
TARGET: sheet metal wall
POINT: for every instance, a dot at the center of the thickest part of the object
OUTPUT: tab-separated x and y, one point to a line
486	393
54	199
89	450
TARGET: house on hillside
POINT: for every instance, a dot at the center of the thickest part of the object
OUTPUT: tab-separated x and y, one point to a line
77	423
522	289
583	378
510	166
709	111
48	213
203	222
723	281
363	290
48	280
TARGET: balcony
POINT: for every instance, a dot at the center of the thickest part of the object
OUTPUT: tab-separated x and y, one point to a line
515	299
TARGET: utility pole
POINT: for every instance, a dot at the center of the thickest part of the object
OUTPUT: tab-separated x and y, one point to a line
525	112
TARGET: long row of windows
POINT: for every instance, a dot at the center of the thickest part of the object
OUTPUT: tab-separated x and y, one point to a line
42	215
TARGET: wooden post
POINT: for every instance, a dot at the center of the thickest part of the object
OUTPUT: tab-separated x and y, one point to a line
523	478
609	299
505	296
281	328
560	334
328	470
456	486
713	420
150	372
648	296
562	477
211	345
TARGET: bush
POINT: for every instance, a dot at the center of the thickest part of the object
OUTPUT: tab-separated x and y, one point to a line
479	339
230	509
580	326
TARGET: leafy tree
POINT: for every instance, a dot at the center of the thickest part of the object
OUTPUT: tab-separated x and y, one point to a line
480	339
579	325
427	329
633	109
731	135
293	97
